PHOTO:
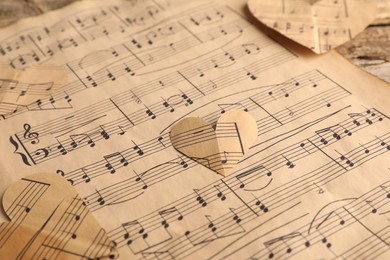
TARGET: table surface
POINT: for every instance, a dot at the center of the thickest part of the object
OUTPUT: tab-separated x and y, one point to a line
370	50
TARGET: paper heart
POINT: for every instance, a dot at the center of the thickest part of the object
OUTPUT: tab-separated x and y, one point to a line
320	25
50	221
218	150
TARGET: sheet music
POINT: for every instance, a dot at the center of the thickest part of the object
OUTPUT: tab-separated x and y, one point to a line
314	185
320	25
383	6
23	87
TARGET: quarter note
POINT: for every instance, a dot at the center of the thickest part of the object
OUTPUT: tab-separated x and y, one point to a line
373	209
150	113
79	138
92	81
110	75
224	159
251	48
132	228
167	105
211	224
250	75
137	148
199	198
182	163
286	94
122	132
160	140
62	149
288	162
129	71
85	176
100	198
344	158
103	133
139	179
260	205
186	99
220	193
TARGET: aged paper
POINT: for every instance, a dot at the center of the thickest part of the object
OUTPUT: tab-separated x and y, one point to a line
320	25
50	220
315	184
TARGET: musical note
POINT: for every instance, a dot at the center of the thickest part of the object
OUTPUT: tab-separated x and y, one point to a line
129	226
169	60
250	75
289	164
223	107
200	199
373	210
150	113
85	176
81	138
103	133
160	140
348	162
283	239
220	193
224	158
251	175
139	179
260	205
61	148
320	190
100	198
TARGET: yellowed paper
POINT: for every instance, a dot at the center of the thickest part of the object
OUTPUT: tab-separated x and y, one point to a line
383	7
218	150
49	219
313	185
319	25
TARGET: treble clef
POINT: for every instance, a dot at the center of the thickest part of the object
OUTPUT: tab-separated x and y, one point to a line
33	136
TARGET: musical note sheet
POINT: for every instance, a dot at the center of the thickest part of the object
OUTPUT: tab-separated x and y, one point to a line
220	149
320	25
49	220
314	184
20	88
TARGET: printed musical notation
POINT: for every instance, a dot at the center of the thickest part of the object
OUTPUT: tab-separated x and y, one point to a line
49	220
320	25
317	172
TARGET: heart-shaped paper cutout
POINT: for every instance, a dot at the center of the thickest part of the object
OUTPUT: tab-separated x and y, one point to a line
320	25
50	221
218	150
